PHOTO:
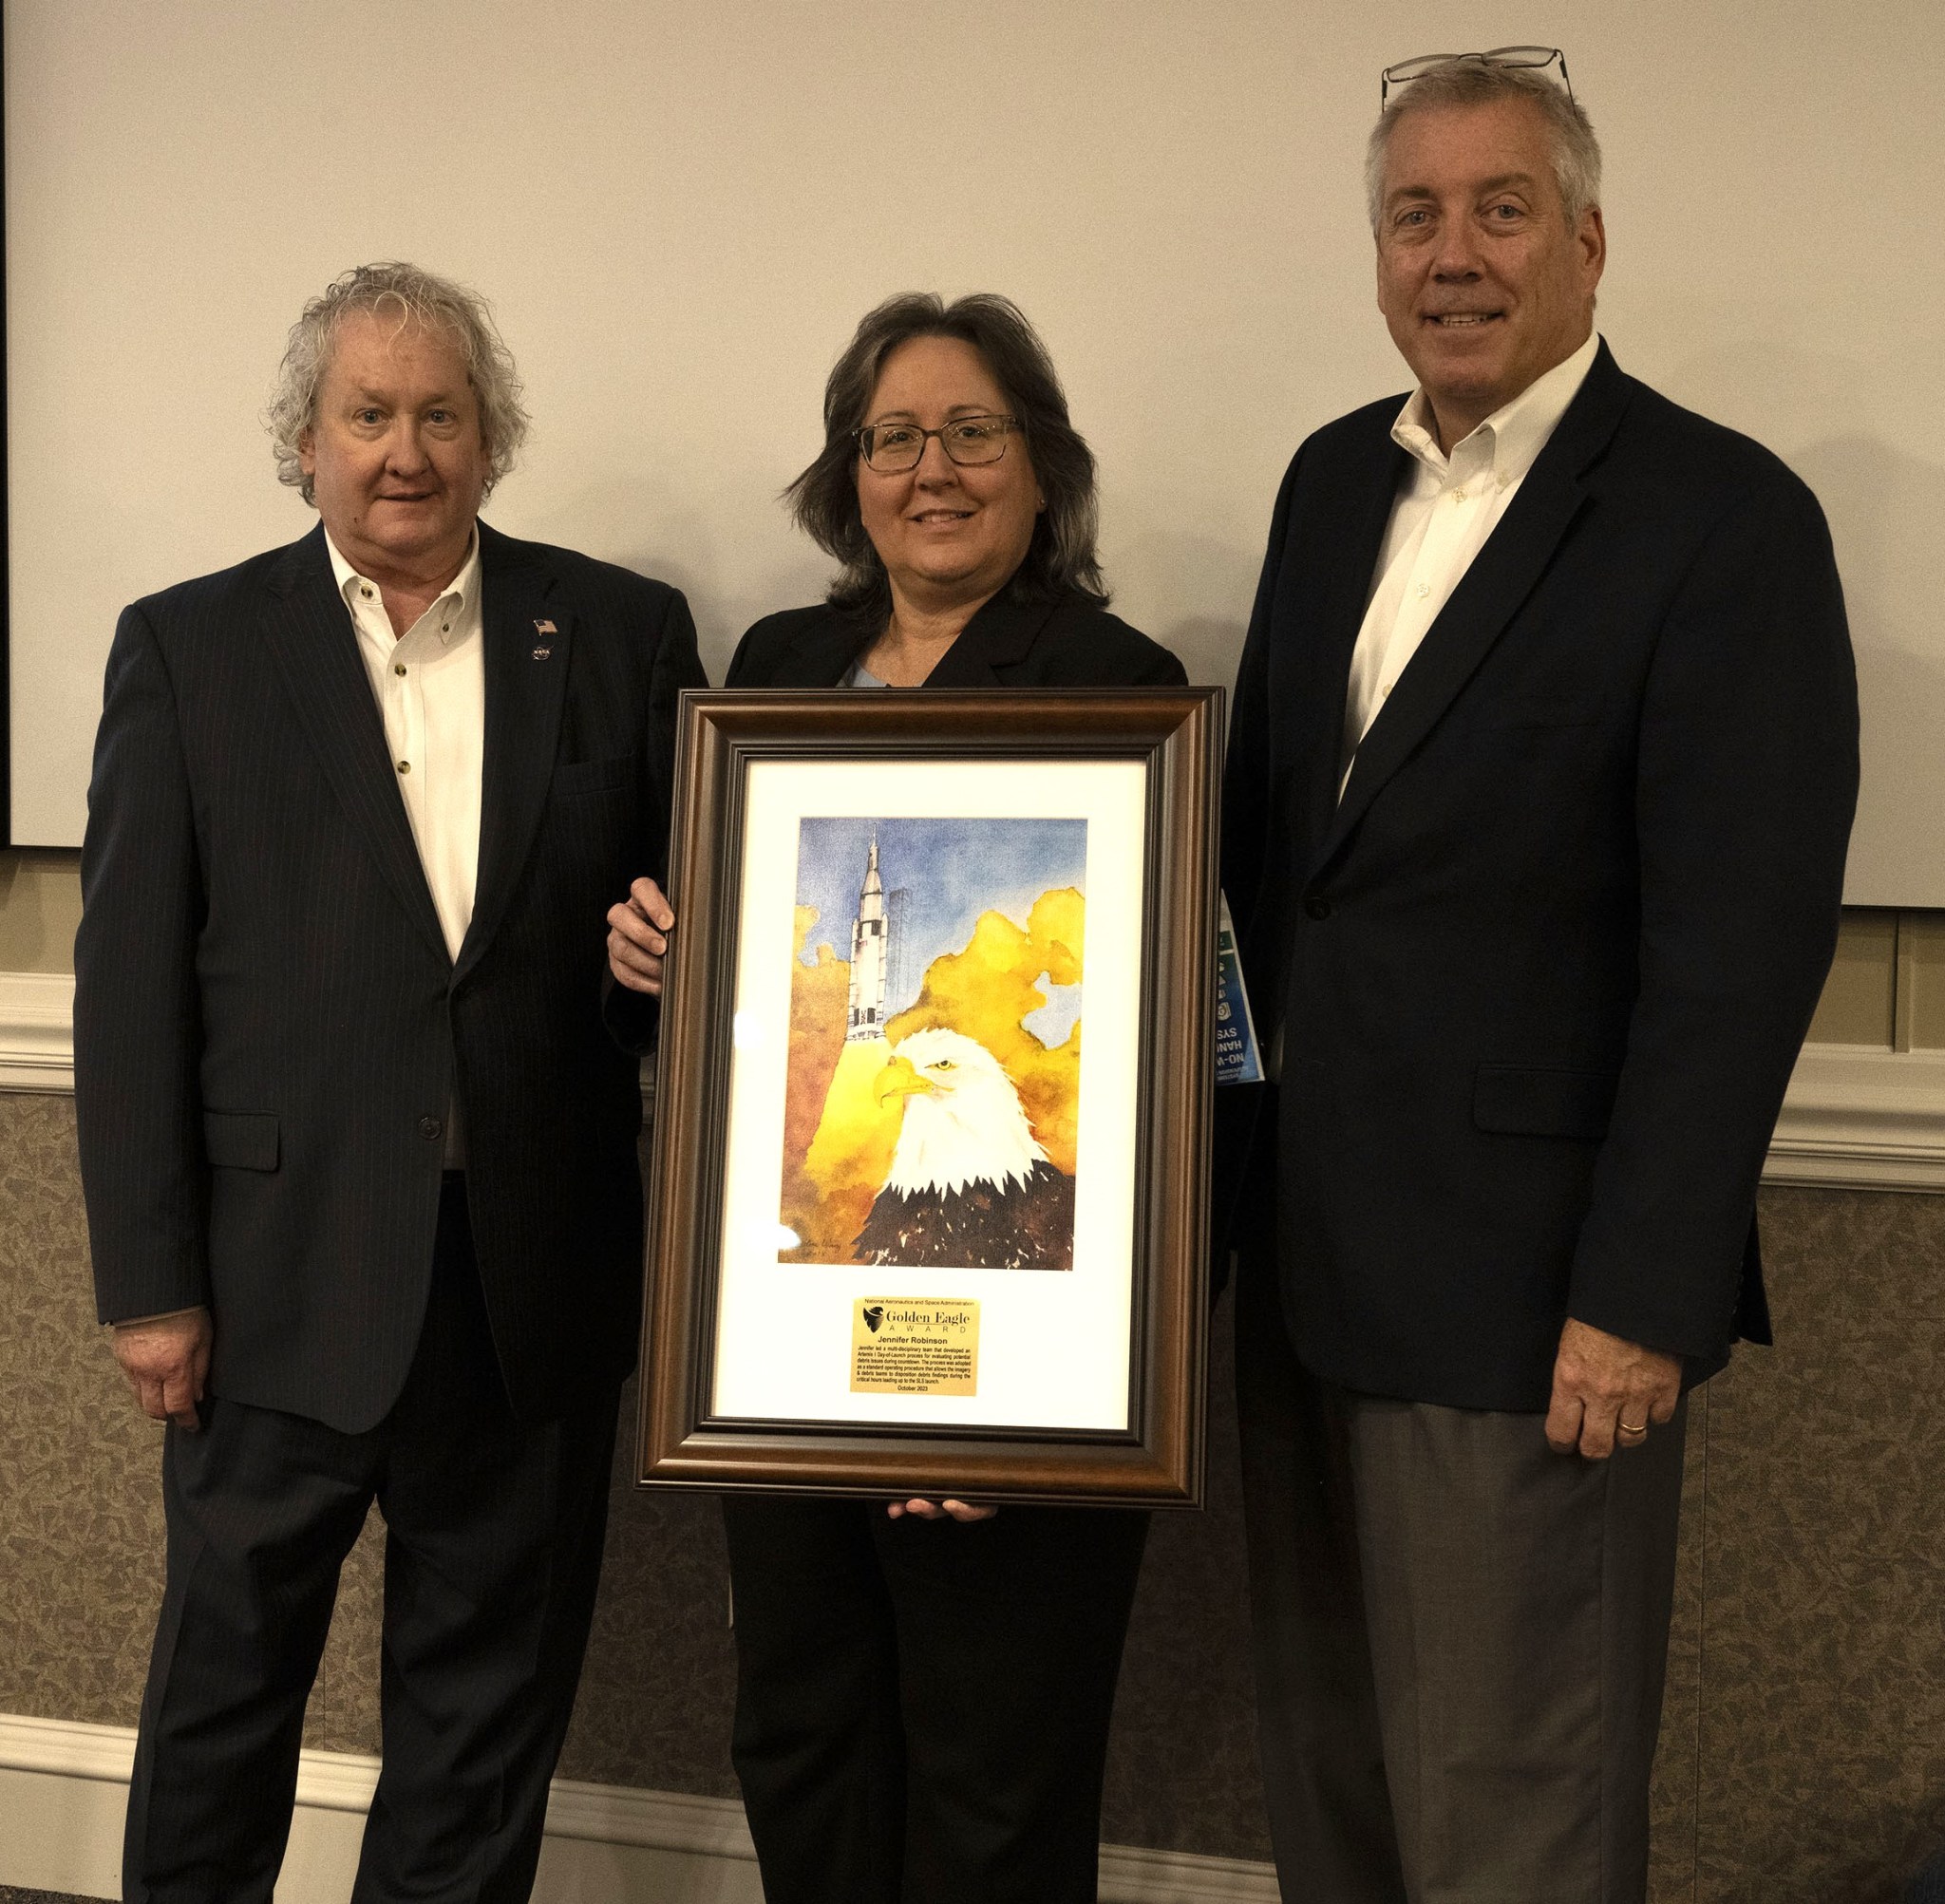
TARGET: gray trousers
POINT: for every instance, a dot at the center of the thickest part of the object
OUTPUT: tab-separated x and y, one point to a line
1460	1635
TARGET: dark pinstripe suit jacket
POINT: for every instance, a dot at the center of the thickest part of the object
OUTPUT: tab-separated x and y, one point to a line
269	1028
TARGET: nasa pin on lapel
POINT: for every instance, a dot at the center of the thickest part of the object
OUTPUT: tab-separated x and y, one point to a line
546	648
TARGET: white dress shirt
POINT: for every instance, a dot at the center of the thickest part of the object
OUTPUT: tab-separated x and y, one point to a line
1440	521
430	684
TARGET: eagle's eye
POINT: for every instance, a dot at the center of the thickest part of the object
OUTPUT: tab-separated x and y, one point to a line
941	1064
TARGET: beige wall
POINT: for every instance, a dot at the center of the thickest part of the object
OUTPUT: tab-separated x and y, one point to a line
1887	986
40	907
1887	983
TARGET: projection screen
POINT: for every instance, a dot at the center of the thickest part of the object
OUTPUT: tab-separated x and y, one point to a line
679	212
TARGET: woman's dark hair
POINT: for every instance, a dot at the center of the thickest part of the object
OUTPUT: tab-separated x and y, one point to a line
824	498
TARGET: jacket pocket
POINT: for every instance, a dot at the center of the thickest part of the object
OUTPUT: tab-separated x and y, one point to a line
1536	1101
575	777
241	1139
1544	711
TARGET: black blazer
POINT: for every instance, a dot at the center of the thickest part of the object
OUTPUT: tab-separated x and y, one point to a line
268	1027
1543	970
1066	642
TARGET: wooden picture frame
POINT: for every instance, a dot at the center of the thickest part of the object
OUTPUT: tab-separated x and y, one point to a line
772	1362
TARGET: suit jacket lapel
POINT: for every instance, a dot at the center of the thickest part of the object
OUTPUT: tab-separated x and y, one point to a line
309	630
1356	531
527	633
819	653
999	636
1502	577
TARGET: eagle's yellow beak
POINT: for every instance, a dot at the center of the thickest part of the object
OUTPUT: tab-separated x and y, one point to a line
900	1078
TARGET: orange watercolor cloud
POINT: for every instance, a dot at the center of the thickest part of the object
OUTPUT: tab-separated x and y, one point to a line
988	991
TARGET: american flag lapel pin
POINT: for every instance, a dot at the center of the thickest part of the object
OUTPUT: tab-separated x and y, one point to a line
545	648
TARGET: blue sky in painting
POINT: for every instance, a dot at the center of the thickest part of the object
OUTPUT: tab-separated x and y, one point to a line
949	871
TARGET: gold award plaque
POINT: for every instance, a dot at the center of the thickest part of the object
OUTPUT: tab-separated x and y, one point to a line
914	1346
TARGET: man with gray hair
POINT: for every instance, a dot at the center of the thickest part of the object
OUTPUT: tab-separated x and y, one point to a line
358	1148
1540	775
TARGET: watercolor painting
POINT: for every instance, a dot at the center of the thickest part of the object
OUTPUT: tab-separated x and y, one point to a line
935	1064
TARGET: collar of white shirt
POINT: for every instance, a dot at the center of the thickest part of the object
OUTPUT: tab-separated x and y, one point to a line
463	589
1509	439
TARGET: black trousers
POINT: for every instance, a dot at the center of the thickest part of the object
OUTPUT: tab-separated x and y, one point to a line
1460	1639
922	1708
493	1547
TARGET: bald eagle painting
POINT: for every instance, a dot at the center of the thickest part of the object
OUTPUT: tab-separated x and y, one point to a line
968	1186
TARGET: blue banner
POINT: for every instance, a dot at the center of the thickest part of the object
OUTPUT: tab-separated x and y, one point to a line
1237	1061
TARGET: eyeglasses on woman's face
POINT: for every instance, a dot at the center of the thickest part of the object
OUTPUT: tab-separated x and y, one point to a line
894	446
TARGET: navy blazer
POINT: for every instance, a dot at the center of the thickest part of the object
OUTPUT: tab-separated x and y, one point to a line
1543	970
268	1025
1061	642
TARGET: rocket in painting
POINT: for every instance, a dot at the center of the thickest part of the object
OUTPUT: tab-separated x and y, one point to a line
865	1018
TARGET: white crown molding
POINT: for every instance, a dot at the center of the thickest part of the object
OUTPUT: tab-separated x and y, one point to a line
1859	1116
1854	1117
61	1786
36	1031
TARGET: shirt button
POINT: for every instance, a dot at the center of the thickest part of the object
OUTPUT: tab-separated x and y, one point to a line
431	1130
446	627
405	766
1424	590
398	667
364	591
1316	906
1459	494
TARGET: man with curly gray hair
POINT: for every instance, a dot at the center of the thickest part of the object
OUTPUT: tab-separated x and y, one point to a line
409	297
357	1142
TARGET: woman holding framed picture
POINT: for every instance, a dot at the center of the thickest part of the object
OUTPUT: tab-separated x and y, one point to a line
925	1686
